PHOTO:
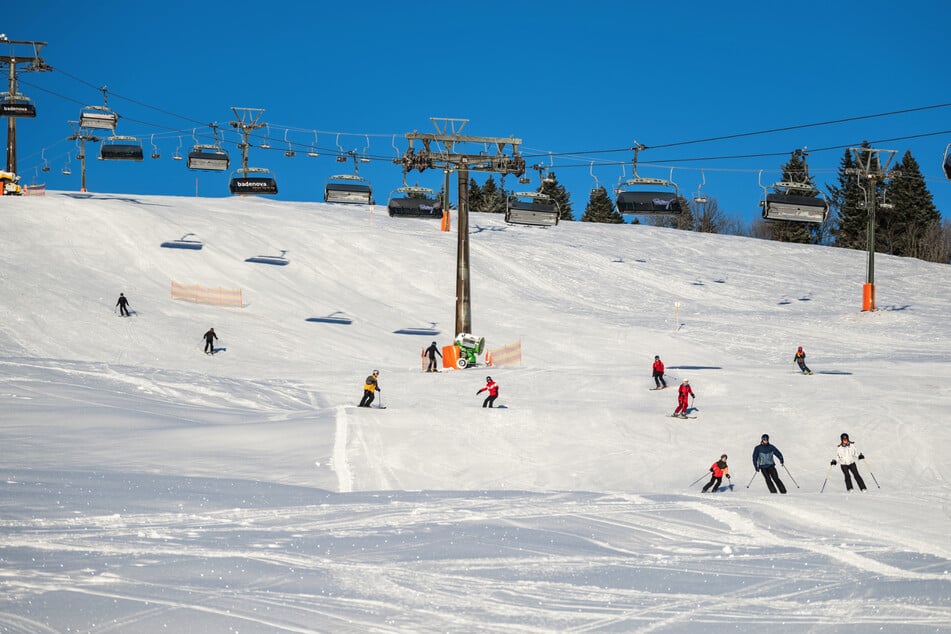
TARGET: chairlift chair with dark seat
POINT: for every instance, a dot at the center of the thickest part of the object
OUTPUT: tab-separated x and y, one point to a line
17	105
252	180
532	208
947	162
348	189
414	202
121	148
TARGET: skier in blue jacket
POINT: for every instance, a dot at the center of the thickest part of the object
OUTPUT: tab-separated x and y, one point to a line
764	460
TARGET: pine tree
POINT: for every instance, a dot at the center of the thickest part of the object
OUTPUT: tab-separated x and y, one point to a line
492	198
475	196
850	223
601	209
559	194
908	216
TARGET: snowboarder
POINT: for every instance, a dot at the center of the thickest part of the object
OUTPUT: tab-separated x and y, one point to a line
845	456
718	469
432	351
210	337
682	393
800	360
123	305
493	389
370	387
764	457
659	382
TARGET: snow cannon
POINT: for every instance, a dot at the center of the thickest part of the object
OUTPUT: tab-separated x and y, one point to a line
9	184
470	347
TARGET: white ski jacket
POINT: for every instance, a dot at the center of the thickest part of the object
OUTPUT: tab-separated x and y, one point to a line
847	454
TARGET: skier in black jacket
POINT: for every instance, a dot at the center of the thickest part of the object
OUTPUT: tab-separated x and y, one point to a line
432	351
123	305
210	337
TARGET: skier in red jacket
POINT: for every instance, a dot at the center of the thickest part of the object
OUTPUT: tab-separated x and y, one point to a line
717	470
682	393
659	381
493	389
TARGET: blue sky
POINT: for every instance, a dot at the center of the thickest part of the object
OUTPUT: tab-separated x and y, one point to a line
573	79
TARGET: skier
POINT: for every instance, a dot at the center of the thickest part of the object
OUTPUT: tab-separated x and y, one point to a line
718	469
659	382
682	393
210	337
370	386
493	389
800	359
764	456
432	351
845	456
123	305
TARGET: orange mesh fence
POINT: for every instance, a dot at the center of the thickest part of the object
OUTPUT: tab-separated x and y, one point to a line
510	354
204	295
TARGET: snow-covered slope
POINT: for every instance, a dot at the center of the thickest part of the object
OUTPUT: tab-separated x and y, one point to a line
129	456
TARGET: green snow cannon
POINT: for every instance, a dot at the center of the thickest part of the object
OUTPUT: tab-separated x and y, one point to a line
470	347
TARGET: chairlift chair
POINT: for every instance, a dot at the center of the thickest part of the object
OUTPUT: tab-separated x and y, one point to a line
348	189
98	118
16	105
414	202
121	148
178	151
252	180
209	158
531	208
700	198
797	202
155	149
659	196
947	162
66	170
46	165
648	202
289	152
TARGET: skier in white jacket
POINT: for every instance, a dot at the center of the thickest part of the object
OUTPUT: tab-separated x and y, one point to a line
845	456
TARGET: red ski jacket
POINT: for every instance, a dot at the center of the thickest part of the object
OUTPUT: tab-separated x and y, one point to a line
718	470
659	366
492	387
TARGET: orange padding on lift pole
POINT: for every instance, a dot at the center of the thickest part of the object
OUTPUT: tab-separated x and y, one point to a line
868	297
445	220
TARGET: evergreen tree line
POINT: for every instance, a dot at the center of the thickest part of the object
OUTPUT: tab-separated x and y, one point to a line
907	223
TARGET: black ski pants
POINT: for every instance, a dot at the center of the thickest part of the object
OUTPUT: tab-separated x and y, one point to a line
432	364
772	479
489	401
849	470
659	379
714	482
368	397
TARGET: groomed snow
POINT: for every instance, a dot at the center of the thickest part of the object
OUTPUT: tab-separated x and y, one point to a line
147	487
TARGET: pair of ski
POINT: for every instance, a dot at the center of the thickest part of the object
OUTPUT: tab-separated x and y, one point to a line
679	416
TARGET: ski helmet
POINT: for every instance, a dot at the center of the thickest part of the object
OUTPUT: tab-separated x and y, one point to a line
488	378
657	356
800	348
723	457
375	372
434	343
844	436
765	437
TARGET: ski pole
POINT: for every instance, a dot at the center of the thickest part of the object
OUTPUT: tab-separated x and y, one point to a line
751	479
697	480
790	475
871	474
828	471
